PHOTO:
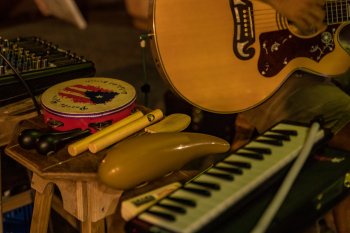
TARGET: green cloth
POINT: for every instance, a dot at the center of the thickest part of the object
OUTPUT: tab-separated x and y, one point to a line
302	98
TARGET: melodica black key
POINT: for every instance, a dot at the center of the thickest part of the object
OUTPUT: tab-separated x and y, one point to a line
183	201
199	191
210	210
273	142
251	155
210	185
261	150
174	208
282	137
219	175
229	169
277	138
285	132
162	215
241	164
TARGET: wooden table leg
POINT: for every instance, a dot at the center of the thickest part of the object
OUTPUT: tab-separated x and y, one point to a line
88	201
41	211
93	227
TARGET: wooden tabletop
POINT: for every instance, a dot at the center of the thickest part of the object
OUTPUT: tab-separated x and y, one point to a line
56	165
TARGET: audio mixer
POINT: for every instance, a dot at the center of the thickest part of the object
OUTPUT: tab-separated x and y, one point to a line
40	63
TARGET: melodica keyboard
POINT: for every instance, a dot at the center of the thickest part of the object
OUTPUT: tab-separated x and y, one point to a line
202	200
41	64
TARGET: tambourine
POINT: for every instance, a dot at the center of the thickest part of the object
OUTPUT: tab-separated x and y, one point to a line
87	103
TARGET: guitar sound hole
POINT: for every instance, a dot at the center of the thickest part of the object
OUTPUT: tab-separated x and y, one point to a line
344	38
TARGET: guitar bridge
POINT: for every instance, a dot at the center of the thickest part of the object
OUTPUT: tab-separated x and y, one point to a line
242	11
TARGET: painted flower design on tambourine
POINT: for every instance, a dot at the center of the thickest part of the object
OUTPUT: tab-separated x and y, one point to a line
88	94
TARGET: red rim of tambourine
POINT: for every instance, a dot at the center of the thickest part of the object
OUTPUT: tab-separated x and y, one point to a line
87	103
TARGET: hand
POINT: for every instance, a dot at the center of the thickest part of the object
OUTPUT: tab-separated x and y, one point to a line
338	218
306	15
42	6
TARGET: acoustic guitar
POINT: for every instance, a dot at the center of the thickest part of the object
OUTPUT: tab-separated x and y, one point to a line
227	56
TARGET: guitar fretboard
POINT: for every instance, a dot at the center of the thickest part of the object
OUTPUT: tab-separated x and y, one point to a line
337	11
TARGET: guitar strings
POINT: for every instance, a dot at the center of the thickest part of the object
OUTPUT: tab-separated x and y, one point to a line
337	12
331	6
266	18
343	7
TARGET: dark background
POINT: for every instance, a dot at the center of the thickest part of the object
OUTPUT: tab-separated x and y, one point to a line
110	40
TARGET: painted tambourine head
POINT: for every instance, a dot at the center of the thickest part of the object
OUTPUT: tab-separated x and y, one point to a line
87	103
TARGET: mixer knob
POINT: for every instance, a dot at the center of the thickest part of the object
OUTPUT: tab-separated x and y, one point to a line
34	64
20	60
19	65
24	65
4	52
10	55
2	70
6	43
44	63
28	63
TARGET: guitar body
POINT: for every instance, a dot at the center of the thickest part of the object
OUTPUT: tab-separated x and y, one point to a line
227	56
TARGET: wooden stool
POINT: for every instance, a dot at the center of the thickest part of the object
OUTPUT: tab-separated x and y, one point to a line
88	201
83	196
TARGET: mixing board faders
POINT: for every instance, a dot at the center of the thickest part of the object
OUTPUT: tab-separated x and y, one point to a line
41	64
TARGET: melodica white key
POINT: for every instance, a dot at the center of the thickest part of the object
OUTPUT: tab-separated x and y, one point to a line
206	197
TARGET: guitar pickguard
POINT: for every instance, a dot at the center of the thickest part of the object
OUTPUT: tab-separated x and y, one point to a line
278	48
244	35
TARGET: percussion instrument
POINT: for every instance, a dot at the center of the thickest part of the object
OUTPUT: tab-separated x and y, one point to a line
87	103
175	122
83	144
146	157
48	142
125	131
127	126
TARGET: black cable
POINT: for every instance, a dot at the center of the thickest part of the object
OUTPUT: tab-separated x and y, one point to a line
146	88
24	83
